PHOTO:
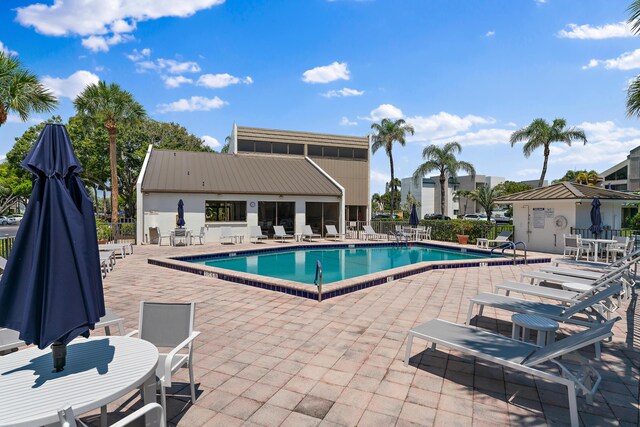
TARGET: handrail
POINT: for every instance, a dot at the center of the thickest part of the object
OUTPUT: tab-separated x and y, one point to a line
511	245
318	280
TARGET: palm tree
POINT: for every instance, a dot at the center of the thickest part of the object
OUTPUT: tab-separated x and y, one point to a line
111	105
376	202
388	132
443	159
21	92
485	196
541	134
633	91
225	147
466	194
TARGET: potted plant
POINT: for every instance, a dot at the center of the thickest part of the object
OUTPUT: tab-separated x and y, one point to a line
463	238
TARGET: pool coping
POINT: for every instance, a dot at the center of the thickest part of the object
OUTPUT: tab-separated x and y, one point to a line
333	289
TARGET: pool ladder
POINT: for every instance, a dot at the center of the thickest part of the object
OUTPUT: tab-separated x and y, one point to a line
514	246
318	280
399	237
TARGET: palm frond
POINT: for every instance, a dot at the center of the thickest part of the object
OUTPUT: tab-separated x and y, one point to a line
634	16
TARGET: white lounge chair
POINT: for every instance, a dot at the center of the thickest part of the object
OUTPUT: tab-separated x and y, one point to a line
368	233
119	249
67	417
9	340
169	325
332	232
199	236
503	237
522	356
255	233
307	233
227	235
107	261
280	234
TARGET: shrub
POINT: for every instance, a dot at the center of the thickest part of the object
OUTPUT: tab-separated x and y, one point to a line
103	229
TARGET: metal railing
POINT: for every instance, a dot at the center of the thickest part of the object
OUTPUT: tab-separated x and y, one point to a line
124	231
6	244
318	280
608	233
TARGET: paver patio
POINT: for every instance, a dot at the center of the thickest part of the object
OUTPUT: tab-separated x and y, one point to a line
267	359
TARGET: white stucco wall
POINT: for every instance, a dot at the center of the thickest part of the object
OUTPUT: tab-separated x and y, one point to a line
160	210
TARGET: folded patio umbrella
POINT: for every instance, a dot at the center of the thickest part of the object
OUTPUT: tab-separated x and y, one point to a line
51	291
596	217
180	222
413	217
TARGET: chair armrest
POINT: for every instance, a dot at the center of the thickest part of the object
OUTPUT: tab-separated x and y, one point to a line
168	361
151	407
132	333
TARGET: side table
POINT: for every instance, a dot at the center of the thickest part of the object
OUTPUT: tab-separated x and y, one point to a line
482	243
546	328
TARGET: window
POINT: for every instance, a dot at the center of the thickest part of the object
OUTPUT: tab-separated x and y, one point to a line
279	148
314	150
330	152
296	149
360	153
245	146
617	175
225	211
345	153
263	147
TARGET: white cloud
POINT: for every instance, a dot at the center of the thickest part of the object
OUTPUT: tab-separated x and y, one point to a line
383	111
4	49
480	137
344	121
175	67
137	56
174	82
378	177
195	103
88	18
607	31
210	141
71	86
626	61
490	34
528	173
216	81
446	125
342	92
327	73
540	1
102	44
14	118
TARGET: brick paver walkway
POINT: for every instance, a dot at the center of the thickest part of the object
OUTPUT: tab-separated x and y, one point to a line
269	359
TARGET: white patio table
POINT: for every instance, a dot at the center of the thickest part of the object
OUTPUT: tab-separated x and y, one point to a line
99	370
595	245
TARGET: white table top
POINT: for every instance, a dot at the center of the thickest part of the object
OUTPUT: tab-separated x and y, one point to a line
600	240
99	370
533	321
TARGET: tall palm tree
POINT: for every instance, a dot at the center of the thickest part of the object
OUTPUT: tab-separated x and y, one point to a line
486	196
466	194
111	105
633	91
541	134
21	92
388	132
376	202
227	142
443	159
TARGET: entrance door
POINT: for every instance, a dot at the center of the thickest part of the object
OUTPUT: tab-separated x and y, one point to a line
276	213
319	214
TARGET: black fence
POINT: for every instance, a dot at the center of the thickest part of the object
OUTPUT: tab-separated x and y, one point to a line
446	231
6	243
124	231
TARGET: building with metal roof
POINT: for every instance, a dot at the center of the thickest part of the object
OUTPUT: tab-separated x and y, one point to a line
270	177
542	216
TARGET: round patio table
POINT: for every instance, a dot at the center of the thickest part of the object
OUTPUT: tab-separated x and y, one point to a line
546	328
99	370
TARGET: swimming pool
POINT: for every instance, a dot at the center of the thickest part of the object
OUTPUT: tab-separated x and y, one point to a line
337	263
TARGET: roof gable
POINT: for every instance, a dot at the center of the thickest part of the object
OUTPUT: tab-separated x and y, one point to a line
568	191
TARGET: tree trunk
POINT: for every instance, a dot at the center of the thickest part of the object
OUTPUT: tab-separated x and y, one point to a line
544	166
95	193
3	114
104	199
393	187
443	180
114	175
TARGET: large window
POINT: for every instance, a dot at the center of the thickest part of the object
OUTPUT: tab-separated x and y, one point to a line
276	213
337	152
617	175
270	147
318	215
225	211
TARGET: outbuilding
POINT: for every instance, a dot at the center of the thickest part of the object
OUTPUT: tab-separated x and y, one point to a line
542	216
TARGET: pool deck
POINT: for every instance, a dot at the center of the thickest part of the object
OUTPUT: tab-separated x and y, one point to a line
267	358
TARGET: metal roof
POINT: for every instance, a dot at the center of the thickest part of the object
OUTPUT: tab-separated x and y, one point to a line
196	172
273	135
568	191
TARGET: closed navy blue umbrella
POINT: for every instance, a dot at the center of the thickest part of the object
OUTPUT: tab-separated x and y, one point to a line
180	221
596	217
51	289
413	217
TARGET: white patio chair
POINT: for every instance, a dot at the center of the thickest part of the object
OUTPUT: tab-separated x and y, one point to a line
226	235
67	416
199	236
179	237
169	325
584	248
332	232
307	233
570	244
255	233
621	248
156	236
279	233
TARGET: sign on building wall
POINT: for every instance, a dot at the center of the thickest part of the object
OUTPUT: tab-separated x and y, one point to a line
538	217
549	213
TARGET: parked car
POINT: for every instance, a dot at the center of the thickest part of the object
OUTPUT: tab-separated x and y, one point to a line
384	216
15	217
502	219
437	216
477	217
4	220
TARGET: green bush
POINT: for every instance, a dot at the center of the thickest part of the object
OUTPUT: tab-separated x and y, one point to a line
103	229
448	230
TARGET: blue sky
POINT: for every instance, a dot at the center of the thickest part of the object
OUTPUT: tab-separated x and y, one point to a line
458	70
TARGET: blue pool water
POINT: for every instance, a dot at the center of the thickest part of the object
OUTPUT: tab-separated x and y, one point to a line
337	264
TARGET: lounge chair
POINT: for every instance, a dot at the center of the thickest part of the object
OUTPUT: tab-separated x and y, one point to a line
307	233
630	259
559	313
199	236
9	341
522	356
227	235
574	276
255	233
107	261
119	249
332	232
503	237
279	233
368	233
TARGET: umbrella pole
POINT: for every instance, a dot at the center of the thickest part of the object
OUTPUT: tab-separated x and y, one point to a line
59	353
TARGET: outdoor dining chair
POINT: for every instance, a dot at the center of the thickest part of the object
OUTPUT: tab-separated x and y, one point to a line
199	236
179	237
169	325
67	417
623	246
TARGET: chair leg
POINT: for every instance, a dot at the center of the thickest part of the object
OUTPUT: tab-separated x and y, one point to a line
407	353
193	386
573	405
470	312
163	400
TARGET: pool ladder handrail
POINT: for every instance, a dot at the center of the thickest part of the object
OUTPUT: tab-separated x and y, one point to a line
398	237
511	245
318	280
